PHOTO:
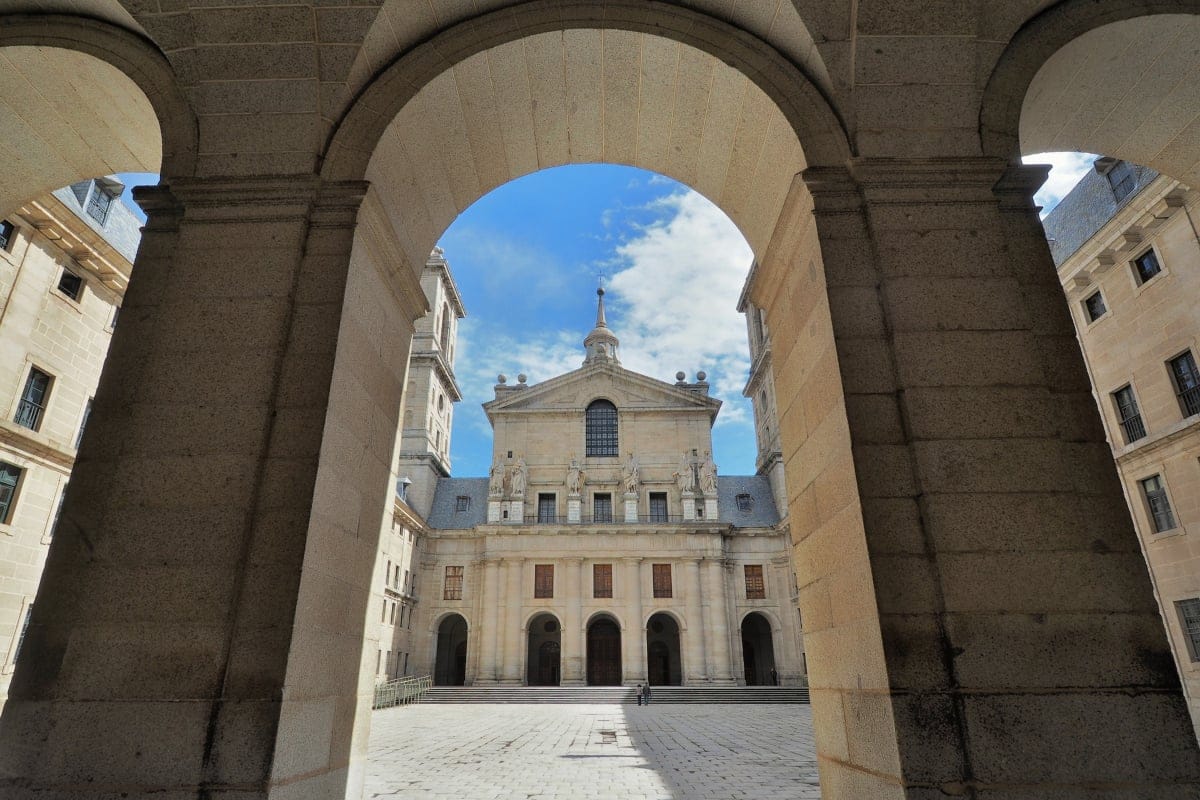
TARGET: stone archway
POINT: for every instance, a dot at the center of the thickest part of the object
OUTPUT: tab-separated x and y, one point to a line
543	666
450	652
758	651
603	652
663	654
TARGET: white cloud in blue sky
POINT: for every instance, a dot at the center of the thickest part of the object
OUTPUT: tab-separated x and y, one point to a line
1065	171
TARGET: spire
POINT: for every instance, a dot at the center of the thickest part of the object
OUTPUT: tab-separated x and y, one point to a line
600	346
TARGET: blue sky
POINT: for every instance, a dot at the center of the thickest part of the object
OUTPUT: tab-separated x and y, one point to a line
527	258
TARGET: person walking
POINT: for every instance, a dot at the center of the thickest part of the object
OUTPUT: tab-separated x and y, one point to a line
639	694
646	695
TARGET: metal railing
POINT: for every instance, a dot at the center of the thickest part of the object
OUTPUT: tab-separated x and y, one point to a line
1190	399
29	414
1134	428
614	519
401	691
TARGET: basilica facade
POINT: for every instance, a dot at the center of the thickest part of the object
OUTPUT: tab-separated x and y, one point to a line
604	548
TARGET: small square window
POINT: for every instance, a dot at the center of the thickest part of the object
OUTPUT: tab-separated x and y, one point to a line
1094	305
1146	266
1189	620
6	234
462	503
70	284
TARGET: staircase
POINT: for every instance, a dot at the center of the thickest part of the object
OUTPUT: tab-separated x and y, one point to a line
615	694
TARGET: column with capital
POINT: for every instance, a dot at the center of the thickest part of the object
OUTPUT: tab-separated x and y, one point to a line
787	655
695	668
489	630
572	633
720	656
633	642
510	635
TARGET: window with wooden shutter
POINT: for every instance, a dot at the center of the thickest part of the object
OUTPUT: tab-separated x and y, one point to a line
543	580
602	580
662	580
454	584
755	590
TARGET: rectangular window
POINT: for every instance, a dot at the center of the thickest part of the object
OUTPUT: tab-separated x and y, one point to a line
21	635
745	503
33	399
454	583
10	477
543	580
406	663
1187	382
601	580
1122	180
662	579
1189	620
407	585
87	412
755	590
602	508
70	284
1146	266
1094	305
392	616
62	497
462	503
547	509
6	234
383	615
99	203
1129	414
658	506
112	324
1156	500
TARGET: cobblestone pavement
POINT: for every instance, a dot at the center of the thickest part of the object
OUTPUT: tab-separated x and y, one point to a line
578	752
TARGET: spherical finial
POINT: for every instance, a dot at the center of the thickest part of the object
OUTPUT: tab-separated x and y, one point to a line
679	376
521	378
600	291
501	378
701	375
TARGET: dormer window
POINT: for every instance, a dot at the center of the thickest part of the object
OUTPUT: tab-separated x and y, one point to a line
601	429
745	503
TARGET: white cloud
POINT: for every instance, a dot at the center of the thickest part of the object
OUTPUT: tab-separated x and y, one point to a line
1065	171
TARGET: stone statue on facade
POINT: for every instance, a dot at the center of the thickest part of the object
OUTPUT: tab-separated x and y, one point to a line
496	480
708	474
685	477
631	474
575	477
520	476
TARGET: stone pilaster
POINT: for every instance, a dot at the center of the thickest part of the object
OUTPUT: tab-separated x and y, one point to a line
488	632
717	621
510	635
573	643
695	665
633	638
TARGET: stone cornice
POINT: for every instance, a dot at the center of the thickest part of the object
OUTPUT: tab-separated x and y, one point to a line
36	446
442	369
88	248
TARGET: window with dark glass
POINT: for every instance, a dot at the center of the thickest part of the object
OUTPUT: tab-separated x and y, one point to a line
62	497
1187	382
445	332
33	399
6	234
755	589
543	580
462	503
1094	305
1130	415
99	202
10	476
658	506
1156	501
1122	180
87	412
454	584
21	636
116	313
601	580
1189	620
745	503
547	507
70	284
662	579
1146	266
602	508
601	429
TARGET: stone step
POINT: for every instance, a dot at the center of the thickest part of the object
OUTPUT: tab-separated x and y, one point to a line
615	694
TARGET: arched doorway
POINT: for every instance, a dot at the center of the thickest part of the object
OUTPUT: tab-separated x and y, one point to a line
450	663
663	665
758	651
542	662
603	653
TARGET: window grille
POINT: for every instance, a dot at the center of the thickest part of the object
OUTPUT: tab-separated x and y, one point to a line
1187	383
602	508
454	584
33	399
602	580
658	506
1094	304
1189	620
10	476
70	284
543	580
601	429
1146	266
755	589
662	579
1159	505
462	503
1131	417
547	508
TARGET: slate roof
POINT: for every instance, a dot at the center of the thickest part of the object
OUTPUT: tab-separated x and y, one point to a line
1085	210
762	511
122	229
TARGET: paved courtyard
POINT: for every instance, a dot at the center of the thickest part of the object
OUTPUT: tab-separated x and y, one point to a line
576	752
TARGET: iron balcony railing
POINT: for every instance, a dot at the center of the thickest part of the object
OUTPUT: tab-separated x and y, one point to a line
401	691
1134	428
605	519
1190	399
29	414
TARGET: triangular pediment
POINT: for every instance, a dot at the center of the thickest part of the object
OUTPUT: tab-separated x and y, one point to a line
628	390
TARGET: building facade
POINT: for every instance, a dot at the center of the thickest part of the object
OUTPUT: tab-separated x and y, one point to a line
1127	247
604	548
65	260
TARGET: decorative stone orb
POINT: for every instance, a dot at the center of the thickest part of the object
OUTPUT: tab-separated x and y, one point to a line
501	378
701	375
522	378
680	375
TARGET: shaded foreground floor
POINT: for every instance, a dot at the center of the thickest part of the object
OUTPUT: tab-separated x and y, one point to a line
556	752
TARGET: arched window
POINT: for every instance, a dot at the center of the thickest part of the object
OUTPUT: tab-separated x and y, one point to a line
445	328
601	434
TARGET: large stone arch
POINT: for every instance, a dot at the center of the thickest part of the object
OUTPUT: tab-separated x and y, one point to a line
133	87
1037	79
